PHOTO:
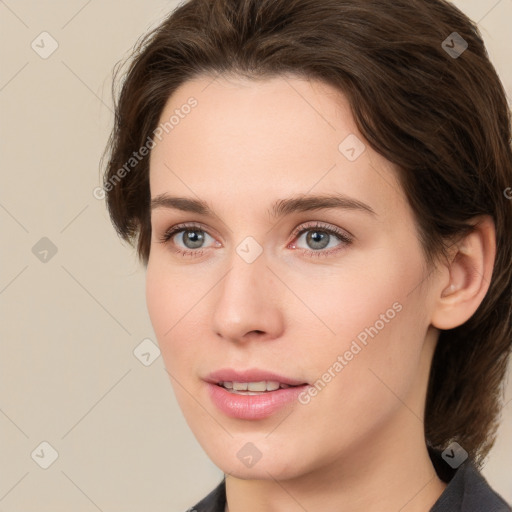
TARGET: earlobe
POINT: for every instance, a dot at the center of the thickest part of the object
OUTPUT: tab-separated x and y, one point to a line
469	272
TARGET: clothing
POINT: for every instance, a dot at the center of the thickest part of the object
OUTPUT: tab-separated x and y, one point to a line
467	491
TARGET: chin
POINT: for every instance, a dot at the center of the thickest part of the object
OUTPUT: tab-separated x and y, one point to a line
255	460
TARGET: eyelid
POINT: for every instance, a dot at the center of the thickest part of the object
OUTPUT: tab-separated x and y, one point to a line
344	236
177	228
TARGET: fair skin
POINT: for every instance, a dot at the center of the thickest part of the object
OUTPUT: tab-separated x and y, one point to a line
358	445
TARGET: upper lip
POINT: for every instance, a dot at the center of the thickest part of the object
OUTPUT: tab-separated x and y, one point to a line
251	375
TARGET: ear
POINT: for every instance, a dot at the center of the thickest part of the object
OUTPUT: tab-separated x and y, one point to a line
466	278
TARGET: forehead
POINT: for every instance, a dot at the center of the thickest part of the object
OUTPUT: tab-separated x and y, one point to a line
269	139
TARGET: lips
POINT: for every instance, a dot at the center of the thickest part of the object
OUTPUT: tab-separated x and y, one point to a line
227	375
249	388
252	394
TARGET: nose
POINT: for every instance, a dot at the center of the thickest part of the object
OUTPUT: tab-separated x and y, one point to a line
247	302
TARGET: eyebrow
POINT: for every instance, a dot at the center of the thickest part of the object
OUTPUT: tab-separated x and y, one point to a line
279	208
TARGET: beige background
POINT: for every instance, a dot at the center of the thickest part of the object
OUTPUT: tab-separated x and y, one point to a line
70	325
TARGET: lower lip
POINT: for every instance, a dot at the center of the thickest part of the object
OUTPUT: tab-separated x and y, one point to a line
253	407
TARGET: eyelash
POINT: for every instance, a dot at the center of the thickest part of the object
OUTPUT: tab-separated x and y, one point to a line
342	237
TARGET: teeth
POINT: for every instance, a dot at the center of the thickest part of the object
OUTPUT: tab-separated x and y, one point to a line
261	386
272	385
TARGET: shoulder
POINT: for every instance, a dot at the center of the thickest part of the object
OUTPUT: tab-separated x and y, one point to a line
469	491
215	501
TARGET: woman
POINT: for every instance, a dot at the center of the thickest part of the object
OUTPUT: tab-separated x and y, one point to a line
318	191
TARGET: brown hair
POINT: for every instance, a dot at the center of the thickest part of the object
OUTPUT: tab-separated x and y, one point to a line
441	118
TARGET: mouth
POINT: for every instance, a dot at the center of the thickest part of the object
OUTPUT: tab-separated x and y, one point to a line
252	394
251	380
254	388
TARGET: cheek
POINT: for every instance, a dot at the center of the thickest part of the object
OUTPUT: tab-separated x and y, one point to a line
174	300
162	307
372	315
380	323
352	297
156	298
169	295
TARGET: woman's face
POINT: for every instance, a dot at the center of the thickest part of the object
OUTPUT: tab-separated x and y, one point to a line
262	287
